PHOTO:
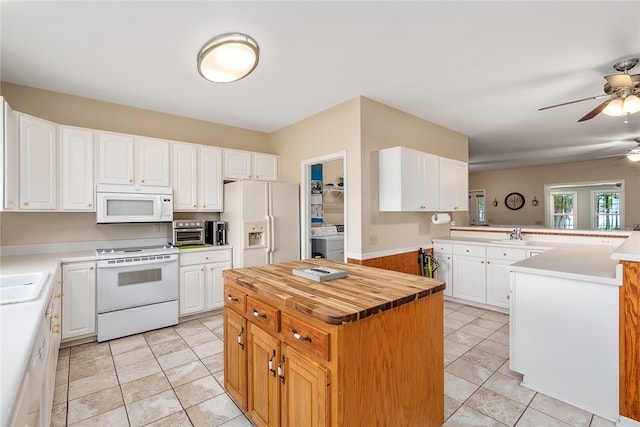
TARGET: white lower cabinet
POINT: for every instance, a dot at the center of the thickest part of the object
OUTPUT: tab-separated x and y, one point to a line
201	283
78	299
443	253
477	273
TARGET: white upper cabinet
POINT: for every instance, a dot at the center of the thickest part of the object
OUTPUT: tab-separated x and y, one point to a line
9	154
125	159
408	180
240	164
237	164
38	163
413	181
152	162
115	158
185	177
197	178
211	184
265	167
77	180
454	185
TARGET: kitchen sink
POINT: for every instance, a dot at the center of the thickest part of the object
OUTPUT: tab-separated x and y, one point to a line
16	288
512	242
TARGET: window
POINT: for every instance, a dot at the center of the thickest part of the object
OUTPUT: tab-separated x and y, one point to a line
607	212
564	210
476	207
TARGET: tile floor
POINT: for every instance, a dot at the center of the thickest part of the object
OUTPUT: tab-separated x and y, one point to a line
174	376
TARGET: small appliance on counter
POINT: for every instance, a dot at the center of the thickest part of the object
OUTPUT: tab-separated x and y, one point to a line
215	233
188	232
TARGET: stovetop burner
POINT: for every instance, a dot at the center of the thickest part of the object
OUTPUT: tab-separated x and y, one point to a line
135	251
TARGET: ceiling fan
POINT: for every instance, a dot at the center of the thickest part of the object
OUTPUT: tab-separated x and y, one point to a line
623	91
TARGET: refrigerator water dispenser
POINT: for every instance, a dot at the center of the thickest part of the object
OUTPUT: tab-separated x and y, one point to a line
255	234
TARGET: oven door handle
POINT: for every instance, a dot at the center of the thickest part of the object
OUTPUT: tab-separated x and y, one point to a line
106	264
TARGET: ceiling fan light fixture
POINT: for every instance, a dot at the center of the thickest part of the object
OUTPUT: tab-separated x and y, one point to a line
615	108
631	104
228	57
634	155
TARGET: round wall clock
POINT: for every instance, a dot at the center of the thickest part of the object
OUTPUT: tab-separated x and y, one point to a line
514	201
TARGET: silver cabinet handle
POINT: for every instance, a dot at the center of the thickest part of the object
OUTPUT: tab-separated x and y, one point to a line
299	337
258	314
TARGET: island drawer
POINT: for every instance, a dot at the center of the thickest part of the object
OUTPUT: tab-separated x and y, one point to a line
511	254
235	298
471	250
263	314
443	248
305	337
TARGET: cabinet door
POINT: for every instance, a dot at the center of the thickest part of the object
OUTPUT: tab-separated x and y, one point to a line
445	272
408	180
263	383
10	159
192	279
78	300
305	391
454	185
265	167
428	176
76	169
185	177
237	164
152	162
214	292
115	158
469	278
38	163
235	357
498	282
210	179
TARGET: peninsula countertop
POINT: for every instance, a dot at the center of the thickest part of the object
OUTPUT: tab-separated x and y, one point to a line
364	292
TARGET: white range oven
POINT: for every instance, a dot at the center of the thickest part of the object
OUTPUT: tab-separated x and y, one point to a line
137	290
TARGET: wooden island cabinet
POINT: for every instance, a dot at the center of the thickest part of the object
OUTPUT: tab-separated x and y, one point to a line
365	350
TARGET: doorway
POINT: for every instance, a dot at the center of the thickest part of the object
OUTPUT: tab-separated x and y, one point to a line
323	197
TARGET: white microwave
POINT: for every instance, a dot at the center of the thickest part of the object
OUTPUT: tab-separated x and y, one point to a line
128	203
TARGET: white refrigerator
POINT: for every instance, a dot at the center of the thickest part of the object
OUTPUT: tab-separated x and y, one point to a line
263	222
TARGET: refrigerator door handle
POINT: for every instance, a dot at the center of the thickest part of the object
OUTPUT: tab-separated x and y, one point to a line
269	219
272	234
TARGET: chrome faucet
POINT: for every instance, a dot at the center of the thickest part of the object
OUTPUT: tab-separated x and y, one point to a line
516	234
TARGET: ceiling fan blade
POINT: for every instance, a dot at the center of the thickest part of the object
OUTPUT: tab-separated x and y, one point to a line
619	80
591	114
572	102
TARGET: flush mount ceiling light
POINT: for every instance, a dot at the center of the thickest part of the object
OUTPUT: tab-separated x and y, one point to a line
228	57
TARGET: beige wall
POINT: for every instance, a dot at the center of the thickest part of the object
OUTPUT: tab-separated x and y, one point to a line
84	112
531	181
33	227
384	127
331	131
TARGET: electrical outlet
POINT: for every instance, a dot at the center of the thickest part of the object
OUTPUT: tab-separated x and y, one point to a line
373	239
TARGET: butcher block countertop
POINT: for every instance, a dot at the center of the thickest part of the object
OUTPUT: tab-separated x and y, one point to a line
364	292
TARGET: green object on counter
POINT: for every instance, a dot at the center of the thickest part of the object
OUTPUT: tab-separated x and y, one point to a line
193	246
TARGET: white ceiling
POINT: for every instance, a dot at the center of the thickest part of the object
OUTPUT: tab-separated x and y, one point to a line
480	68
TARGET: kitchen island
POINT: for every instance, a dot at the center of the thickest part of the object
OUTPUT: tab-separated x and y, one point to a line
366	349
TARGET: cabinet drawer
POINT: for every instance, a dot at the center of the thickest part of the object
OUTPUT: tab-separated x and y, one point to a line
445	248
512	254
470	250
305	337
263	314
204	257
235	298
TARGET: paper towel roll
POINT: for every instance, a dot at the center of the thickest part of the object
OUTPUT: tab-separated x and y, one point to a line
440	218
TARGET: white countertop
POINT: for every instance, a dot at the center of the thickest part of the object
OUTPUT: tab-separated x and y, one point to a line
586	262
19	322
629	250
